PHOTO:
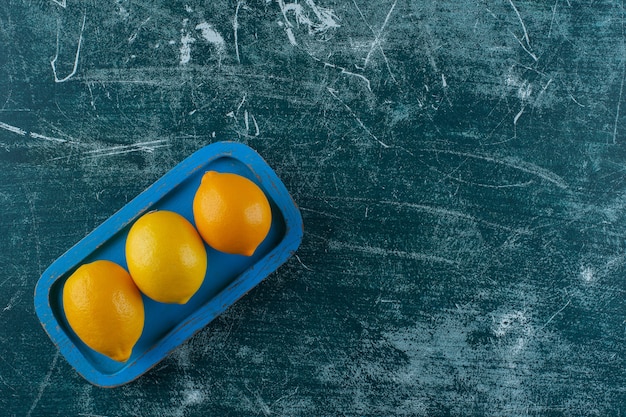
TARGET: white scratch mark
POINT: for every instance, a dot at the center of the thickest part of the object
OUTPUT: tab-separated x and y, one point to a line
334	94
519	165
524	88
382	52
443	81
147	146
92	100
132	37
621	88
576	101
386	301
13	129
447	213
12	301
518	115
302	263
323	213
44	384
326	18
33	135
342	69
383	252
56	56
528	51
345	71
376	42
288	24
243	100
619	103
141	145
248	118
543	90
553	16
212	36
284	397
555	314
236	30
491	13
257	132
185	48
62	3
519	16
492	186
48	138
291	36
283	10
121	152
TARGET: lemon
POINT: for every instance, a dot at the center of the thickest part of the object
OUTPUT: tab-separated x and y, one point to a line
166	257
231	213
104	308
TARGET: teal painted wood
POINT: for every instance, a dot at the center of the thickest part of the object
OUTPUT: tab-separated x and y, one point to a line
459	167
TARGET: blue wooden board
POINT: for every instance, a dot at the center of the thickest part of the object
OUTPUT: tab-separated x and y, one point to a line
227	279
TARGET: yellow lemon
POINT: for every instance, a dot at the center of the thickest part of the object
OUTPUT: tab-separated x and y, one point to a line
166	257
104	308
231	213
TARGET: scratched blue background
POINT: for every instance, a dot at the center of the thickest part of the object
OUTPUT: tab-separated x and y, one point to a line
460	168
